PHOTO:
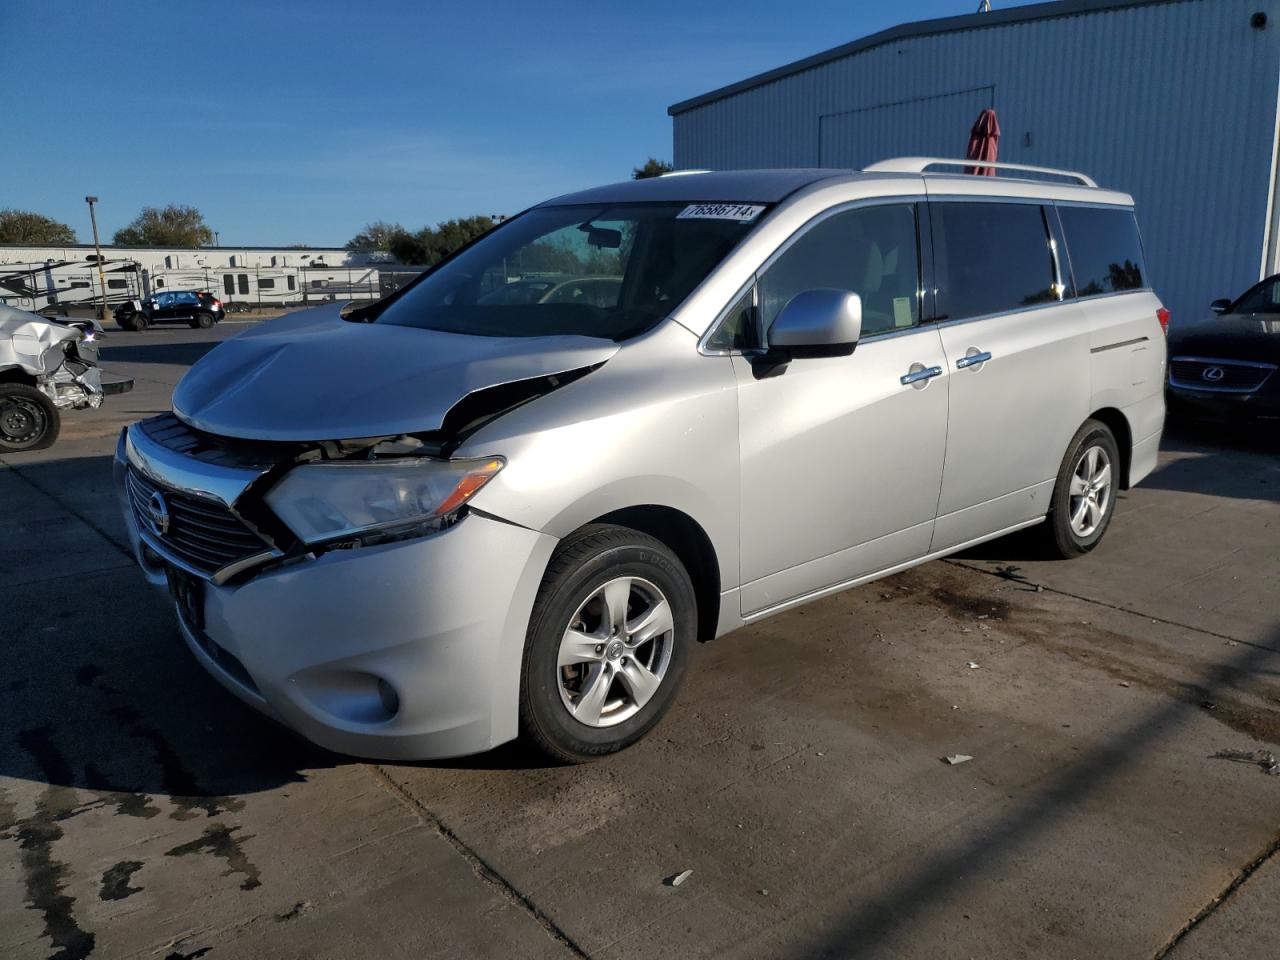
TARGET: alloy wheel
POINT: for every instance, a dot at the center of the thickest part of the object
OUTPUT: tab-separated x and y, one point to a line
615	652
1090	491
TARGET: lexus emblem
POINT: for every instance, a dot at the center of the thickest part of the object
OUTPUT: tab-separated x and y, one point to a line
158	514
1213	374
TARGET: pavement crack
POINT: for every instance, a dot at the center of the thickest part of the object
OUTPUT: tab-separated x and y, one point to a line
482	868
1221	899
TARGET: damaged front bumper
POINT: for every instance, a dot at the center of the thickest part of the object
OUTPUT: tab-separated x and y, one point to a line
405	650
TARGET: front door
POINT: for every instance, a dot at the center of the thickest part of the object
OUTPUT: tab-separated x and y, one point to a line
842	460
1018	359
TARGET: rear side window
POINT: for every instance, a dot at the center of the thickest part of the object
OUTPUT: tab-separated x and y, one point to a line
1105	251
991	258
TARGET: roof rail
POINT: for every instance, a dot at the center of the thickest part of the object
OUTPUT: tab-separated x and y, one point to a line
921	164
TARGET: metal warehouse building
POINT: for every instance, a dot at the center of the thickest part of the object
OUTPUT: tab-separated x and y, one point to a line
1173	101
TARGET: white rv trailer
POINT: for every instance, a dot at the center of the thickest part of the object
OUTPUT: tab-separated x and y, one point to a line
51	284
56	285
274	286
37	278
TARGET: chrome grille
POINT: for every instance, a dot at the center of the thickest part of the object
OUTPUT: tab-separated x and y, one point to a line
202	534
1236	376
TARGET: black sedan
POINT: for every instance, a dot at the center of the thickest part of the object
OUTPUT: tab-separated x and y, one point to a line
192	307
1225	364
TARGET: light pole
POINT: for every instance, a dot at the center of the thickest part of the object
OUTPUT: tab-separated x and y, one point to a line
215	238
97	248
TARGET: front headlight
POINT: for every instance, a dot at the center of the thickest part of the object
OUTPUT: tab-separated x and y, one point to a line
328	501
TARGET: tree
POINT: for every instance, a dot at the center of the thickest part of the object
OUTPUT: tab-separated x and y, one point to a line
378	235
653	167
174	226
33	229
430	245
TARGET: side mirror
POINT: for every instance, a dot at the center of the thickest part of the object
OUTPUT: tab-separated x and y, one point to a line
1220	306
817	323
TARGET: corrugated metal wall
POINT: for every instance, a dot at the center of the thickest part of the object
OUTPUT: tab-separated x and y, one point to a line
1173	102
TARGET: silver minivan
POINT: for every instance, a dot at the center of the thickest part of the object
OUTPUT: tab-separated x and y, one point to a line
467	513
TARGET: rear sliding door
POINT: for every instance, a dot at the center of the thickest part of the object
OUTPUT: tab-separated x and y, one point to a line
1018	358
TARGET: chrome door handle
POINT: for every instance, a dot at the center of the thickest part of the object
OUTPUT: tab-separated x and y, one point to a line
915	376
972	360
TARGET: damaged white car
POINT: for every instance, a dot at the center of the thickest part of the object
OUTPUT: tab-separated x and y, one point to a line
46	366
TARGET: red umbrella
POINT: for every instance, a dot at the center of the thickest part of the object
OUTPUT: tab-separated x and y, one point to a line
984	143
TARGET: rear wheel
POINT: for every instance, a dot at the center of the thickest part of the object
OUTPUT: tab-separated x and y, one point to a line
28	419
1084	496
203	320
607	645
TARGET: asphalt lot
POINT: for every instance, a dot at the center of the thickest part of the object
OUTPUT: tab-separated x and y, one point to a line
145	813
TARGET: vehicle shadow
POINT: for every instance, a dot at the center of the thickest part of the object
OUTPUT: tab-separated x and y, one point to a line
1191	434
1237	461
897	910
176	352
99	692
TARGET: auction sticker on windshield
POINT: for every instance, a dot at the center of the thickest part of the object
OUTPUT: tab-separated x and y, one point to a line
741	212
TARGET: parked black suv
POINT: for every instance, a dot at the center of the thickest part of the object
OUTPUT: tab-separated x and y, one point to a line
196	308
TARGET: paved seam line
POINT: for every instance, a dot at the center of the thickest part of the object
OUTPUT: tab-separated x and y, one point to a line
66	576
478	864
1103	603
1212	906
70	509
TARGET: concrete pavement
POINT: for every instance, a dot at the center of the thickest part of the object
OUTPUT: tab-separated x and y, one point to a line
145	812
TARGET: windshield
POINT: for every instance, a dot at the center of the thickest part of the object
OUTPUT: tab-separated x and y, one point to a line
596	271
1264	298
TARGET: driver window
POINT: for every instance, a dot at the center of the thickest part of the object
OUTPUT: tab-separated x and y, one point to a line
870	251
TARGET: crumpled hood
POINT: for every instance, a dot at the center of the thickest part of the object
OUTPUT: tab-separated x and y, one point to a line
314	376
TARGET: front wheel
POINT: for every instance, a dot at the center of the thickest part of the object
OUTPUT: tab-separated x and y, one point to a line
28	419
608	643
1084	496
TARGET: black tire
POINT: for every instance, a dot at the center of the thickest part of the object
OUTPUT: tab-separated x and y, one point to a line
582	564
202	321
28	419
1059	536
134	322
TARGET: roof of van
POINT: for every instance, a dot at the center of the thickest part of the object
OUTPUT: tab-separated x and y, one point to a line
763	186
772	186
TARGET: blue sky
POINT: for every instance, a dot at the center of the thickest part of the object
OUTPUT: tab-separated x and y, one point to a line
298	122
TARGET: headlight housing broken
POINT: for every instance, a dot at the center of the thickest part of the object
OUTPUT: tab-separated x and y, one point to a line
339	500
